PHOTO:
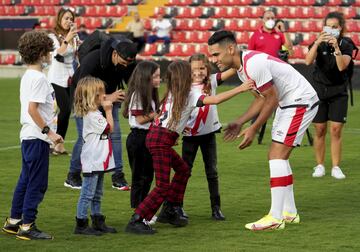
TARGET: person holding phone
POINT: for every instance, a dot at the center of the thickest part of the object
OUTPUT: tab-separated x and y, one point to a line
61	69
271	36
332	55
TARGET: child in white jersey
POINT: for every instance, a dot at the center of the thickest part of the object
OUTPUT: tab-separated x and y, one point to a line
37	107
140	106
177	105
202	126
96	154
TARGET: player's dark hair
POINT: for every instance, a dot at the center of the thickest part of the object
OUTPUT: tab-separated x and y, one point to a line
222	37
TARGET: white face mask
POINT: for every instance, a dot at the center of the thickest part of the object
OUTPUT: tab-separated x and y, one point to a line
270	24
335	33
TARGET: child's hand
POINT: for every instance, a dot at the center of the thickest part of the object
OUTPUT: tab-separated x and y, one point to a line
117	96
107	105
248	85
55	138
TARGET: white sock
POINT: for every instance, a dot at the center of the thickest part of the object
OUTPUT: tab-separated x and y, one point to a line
278	183
289	203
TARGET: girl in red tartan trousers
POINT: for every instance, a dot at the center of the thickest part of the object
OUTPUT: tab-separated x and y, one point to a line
177	105
202	126
141	104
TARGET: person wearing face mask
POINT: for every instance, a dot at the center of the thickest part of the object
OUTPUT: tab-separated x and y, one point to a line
332	54
61	69
112	63
270	38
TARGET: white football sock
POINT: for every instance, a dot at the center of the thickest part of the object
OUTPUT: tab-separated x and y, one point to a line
289	203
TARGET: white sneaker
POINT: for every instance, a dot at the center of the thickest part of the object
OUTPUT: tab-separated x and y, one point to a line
319	171
153	220
337	173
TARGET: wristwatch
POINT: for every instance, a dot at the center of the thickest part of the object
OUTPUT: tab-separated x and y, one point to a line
45	130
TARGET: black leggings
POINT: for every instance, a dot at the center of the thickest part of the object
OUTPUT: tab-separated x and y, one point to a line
63	102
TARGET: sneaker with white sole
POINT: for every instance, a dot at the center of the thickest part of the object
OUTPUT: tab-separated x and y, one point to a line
319	171
153	220
266	223
290	218
337	173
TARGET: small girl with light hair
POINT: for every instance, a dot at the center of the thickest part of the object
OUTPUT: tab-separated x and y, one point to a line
96	155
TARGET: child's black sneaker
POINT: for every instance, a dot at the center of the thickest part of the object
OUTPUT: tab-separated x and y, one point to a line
98	223
32	234
11	228
82	227
119	182
73	181
137	225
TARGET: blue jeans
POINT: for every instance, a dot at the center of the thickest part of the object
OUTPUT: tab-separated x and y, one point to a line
91	193
154	38
33	180
75	162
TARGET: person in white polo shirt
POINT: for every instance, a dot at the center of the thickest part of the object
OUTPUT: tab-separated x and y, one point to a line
162	28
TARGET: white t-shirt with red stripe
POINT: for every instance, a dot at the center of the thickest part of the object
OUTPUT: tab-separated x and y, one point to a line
204	120
166	111
96	154
266	70
136	109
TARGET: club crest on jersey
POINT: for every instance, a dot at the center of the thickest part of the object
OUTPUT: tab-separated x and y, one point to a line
104	136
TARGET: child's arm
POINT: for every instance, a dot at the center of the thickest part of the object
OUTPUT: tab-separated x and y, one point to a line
224	96
107	106
227	74
39	121
142	119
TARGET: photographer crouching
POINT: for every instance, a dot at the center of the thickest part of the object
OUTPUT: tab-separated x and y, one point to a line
332	54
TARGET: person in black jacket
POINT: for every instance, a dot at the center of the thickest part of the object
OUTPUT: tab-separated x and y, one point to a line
332	54
113	63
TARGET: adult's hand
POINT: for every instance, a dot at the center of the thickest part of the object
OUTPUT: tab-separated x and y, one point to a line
117	96
232	131
248	135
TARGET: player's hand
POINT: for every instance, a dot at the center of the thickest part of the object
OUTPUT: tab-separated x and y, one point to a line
249	135
55	138
231	131
107	105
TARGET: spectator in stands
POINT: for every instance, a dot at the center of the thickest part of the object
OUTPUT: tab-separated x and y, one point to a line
113	63
82	33
162	28
270	38
61	69
332	54
137	28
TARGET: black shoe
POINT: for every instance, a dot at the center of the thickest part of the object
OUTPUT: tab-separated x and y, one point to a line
217	214
33	234
82	227
73	180
173	215
137	225
119	181
11	228
98	223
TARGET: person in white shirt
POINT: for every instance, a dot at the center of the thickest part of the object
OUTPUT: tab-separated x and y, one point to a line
202	126
177	105
97	156
140	107
279	86
162	28
61	69
37	105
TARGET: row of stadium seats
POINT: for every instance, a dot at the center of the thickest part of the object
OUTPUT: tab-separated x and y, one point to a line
89	11
254	11
263	2
69	2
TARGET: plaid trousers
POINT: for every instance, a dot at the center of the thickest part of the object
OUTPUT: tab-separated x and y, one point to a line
159	142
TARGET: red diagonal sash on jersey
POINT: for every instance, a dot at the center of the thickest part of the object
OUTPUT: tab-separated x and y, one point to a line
106	162
203	112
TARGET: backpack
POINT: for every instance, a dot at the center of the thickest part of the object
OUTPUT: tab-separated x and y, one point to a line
92	42
350	68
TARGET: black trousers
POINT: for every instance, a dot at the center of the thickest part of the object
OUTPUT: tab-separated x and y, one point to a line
141	166
63	102
207	144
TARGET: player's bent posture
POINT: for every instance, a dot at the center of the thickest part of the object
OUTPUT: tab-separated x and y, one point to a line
279	86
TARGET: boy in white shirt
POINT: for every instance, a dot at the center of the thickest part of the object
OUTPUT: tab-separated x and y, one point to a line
37	105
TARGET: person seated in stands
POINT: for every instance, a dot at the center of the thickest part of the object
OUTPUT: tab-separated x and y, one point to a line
162	28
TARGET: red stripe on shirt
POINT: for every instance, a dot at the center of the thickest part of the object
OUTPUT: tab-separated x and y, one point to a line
281	181
136	112
106	162
202	116
246	58
294	126
265	86
107	129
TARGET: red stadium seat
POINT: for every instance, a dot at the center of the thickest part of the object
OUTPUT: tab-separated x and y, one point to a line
308	38
159	10
202	48
355	38
147	24
183	12
254	24
309	25
232	12
257	12
9	59
276	2
202	36
299	52
245	11
179	36
231	24
308	2
295	26
294	12
282	12
187	50
353	26
149	50
321	12
19	10
220	12
205	24
190	37
242	37
90	11
349	12
243	25
334	2
174	50
181	24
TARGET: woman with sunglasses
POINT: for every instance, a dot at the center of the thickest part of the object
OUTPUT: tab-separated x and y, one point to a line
61	69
